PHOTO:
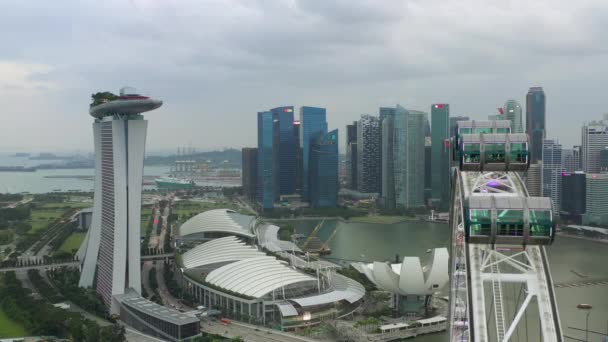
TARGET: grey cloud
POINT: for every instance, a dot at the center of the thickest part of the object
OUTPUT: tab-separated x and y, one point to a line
218	62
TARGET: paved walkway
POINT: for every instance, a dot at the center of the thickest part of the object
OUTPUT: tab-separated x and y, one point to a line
251	333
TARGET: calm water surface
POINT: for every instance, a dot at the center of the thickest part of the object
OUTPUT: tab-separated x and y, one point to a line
366	242
38	181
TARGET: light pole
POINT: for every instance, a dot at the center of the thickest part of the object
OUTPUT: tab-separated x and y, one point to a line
587	307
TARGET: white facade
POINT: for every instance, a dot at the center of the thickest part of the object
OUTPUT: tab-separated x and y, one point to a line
408	278
218	221
533	179
113	249
596	199
595	139
512	112
551	175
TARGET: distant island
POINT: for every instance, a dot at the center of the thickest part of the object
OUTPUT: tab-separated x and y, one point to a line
228	158
20	155
49	156
17	169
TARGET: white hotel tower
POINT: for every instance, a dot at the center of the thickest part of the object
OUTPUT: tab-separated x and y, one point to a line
112	254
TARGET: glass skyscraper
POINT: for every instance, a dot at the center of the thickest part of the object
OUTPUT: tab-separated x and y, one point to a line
286	146
440	155
409	173
369	160
249	172
323	169
573	195
351	156
266	173
313	123
535	121
595	139
552	169
388	158
512	112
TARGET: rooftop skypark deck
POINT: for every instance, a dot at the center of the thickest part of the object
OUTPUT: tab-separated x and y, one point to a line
129	102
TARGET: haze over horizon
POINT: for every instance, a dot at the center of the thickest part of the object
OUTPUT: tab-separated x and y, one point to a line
216	64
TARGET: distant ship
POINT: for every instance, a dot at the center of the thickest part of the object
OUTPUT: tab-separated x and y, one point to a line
174	183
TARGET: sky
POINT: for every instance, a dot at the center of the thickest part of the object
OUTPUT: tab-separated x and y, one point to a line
216	63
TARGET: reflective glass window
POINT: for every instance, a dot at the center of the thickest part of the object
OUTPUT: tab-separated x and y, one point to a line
503	130
510	222
484	130
519	153
540	223
494	153
472	153
464	130
480	222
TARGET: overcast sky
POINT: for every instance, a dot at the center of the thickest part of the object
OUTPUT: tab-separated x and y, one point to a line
216	63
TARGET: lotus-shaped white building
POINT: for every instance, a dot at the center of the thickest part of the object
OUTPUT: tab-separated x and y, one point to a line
409	278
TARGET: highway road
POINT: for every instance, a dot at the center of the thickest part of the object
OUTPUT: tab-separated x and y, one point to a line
167	298
40	267
145	277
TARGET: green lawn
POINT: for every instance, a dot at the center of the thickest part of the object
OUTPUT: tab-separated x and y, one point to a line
72	242
54	205
8	327
42	218
186	208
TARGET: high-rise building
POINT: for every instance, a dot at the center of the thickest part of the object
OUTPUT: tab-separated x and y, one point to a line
604	160
369	142
297	129
571	160
596	206
535	121
112	255
551	172
324	171
351	156
495	117
286	146
427	169
249	175
454	124
512	112
409	176
595	139
313	125
573	195
384	112
388	158
440	155
267	173
533	179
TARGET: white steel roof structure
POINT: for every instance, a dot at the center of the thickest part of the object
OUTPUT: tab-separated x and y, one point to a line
218	220
287	309
409	277
225	249
344	289
256	277
267	237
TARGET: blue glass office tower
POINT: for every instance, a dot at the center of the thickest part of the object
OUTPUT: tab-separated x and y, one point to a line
313	122
266	174
535	122
323	167
286	146
440	155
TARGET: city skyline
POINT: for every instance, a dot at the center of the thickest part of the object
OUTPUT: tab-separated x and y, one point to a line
47	68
